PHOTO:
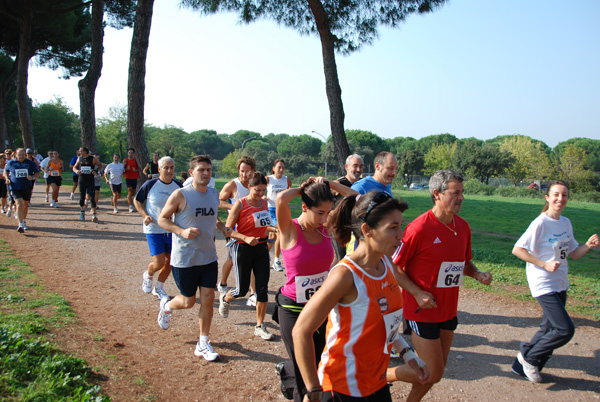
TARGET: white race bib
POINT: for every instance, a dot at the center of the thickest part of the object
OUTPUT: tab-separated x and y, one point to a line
86	170
155	175
307	285
561	250
451	274
262	219
21	173
54	173
392	326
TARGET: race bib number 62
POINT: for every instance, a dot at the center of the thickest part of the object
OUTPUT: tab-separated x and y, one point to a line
451	274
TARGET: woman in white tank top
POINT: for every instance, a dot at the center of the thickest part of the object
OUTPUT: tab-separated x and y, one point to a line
276	183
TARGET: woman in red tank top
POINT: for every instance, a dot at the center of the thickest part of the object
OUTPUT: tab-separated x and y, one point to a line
249	251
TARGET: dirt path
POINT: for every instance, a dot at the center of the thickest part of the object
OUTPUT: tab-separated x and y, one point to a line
97	268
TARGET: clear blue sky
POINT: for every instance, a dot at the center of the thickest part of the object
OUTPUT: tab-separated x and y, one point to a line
473	69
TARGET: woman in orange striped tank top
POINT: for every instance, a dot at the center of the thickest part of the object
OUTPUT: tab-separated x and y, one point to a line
363	303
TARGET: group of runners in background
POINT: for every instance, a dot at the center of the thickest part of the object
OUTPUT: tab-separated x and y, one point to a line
353	275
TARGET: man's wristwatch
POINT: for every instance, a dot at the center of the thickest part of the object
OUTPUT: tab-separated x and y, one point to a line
405	350
315	394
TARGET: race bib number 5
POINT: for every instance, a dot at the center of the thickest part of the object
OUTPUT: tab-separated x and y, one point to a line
262	219
561	248
307	285
451	274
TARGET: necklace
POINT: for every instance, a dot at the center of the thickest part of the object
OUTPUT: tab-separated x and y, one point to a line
449	228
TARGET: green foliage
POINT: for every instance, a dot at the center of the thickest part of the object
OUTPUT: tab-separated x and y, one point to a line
366	144
517	192
229	166
592	196
572	166
208	142
530	158
56	128
438	157
353	24
111	132
475	187
170	141
35	371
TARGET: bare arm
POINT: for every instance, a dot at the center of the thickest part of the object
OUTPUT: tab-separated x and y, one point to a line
524	255
485	278
284	216
142	210
423	298
338	286
582	250
232	219
225	194
175	203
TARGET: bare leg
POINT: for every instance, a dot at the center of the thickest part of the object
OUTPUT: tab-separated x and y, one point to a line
261	311
435	353
226	270
207	297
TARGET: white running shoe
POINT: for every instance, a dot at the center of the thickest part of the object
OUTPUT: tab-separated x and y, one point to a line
47	198
71	197
251	300
222	289
278	266
8	212
147	283
263	333
25	224
81	216
164	317
20	229
160	293
131	209
531	372
223	307
116	211
94	218
204	349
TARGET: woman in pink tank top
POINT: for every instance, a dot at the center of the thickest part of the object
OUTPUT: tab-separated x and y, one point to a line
307	256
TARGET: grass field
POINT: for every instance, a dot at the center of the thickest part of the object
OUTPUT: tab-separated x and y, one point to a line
31	369
497	223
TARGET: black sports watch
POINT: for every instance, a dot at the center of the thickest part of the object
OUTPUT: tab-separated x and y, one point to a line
315	394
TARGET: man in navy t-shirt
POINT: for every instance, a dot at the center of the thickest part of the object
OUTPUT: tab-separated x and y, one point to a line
20	173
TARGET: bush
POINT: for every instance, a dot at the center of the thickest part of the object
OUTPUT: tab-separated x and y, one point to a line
592	196
475	187
517	192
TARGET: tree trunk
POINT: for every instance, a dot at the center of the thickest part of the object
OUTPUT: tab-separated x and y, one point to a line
23	58
6	140
332	83
87	85
136	85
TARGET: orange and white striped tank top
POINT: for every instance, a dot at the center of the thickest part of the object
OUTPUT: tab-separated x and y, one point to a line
360	334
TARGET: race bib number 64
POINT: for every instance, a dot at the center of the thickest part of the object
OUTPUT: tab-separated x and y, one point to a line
451	274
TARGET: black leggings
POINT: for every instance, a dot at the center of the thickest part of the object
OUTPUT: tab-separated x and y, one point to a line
289	311
89	189
247	259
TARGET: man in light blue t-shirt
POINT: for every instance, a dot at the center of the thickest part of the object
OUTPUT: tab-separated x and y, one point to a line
386	167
